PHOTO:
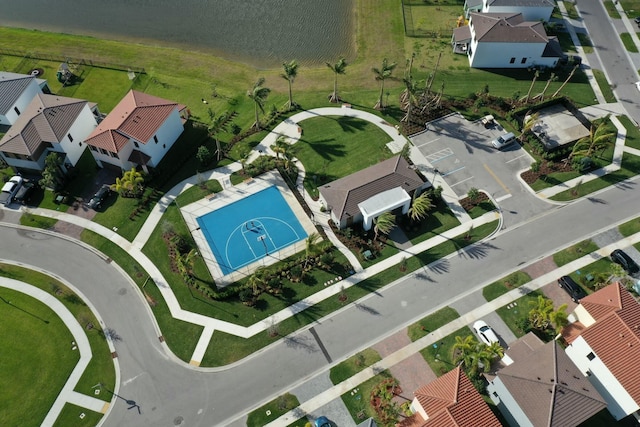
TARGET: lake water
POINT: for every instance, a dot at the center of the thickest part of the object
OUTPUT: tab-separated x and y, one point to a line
260	32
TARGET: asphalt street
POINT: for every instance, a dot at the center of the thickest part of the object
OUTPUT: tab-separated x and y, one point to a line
171	393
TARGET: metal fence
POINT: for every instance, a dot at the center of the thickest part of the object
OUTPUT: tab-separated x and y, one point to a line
414	29
31	56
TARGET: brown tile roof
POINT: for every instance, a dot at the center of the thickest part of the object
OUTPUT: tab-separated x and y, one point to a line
452	401
507	28
344	194
138	115
615	336
550	389
46	120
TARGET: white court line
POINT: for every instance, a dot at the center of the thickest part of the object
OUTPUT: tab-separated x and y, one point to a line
460	182
501	198
509	161
427	143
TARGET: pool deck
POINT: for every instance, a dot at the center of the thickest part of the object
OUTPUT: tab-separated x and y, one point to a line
231	194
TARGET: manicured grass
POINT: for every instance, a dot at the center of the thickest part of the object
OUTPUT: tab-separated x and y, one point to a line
440	355
70	416
37	358
431	322
605	87
332	147
198	192
611	9
353	365
101	368
574	252
630	227
504	285
277	407
571	10
595	269
37	221
631	7
585	42
628	42
630	168
439	220
481	209
181	337
358	403
388	250
520	310
553	180
633	134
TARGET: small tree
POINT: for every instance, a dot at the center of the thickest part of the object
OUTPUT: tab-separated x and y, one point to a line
339	67
131	184
384	224
52	175
473	194
204	155
381	74
290	73
420	207
258	94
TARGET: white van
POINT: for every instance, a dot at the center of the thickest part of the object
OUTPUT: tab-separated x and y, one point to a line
503	140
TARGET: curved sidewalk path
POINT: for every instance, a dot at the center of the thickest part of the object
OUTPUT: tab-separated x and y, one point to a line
67	394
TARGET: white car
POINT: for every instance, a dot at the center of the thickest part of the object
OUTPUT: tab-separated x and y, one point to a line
484	331
637	85
9	189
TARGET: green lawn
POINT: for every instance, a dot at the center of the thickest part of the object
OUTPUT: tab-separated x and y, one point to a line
272	410
481	209
571	10
611	9
357	400
70	416
504	285
353	365
37	358
439	220
628	42
333	147
633	134
431	322
440	355
605	87
37	221
512	316
630	227
585	42
574	252
601	266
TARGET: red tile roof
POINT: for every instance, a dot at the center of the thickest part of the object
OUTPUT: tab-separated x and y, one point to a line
452	401
615	337
138	116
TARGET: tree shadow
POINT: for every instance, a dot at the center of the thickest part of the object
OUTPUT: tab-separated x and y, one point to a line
367	309
300	342
440	267
476	251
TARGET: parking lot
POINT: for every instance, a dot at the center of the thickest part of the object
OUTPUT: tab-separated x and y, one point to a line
461	153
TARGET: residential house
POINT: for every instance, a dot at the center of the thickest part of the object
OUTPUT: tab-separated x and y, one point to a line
506	40
540	386
16	92
138	132
451	401
472	6
49	123
531	10
366	194
604	343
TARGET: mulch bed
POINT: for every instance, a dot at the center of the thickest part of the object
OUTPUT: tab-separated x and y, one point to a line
530	176
469	204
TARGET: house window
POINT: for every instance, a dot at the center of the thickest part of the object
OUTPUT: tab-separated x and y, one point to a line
524	60
155	138
513	60
591	356
114	155
103	151
16	110
136	144
495	394
70	137
92	148
80	144
164	146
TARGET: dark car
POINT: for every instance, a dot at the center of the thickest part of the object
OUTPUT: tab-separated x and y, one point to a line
24	193
99	197
573	289
620	257
637	20
322	422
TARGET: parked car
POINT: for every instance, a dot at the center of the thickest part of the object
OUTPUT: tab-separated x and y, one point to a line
484	331
620	257
9	189
637	20
24	192
322	422
98	198
502	141
637	85
573	289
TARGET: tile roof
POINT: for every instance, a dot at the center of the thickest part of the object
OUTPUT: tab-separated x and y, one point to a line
138	115
615	336
452	401
344	194
47	119
11	87
507	28
522	3
550	389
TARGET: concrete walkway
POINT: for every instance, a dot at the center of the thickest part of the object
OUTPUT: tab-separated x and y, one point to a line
80	343
465	319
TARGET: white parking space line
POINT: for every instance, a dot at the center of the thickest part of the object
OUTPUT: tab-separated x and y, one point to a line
501	198
453	171
440	155
427	143
519	157
460	182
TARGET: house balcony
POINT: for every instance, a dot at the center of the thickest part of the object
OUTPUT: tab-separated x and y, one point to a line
461	48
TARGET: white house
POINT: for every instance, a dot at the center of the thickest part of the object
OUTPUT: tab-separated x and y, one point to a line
499	40
604	343
472	6
16	92
138	132
540	386
50	123
366	194
531	10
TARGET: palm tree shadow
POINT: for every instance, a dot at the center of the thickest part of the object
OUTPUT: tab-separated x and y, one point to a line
440	267
300	342
476	251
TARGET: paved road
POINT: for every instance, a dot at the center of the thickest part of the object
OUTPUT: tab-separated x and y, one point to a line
170	393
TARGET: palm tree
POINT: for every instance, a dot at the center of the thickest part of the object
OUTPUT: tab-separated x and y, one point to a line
496	350
290	73
337	68
420	206
596	140
559	318
552	78
382	73
184	263
573	70
540	313
529	122
533	82
311	245
280	147
131	183
258	94
465	346
409	97
257	280
384	224
217	123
